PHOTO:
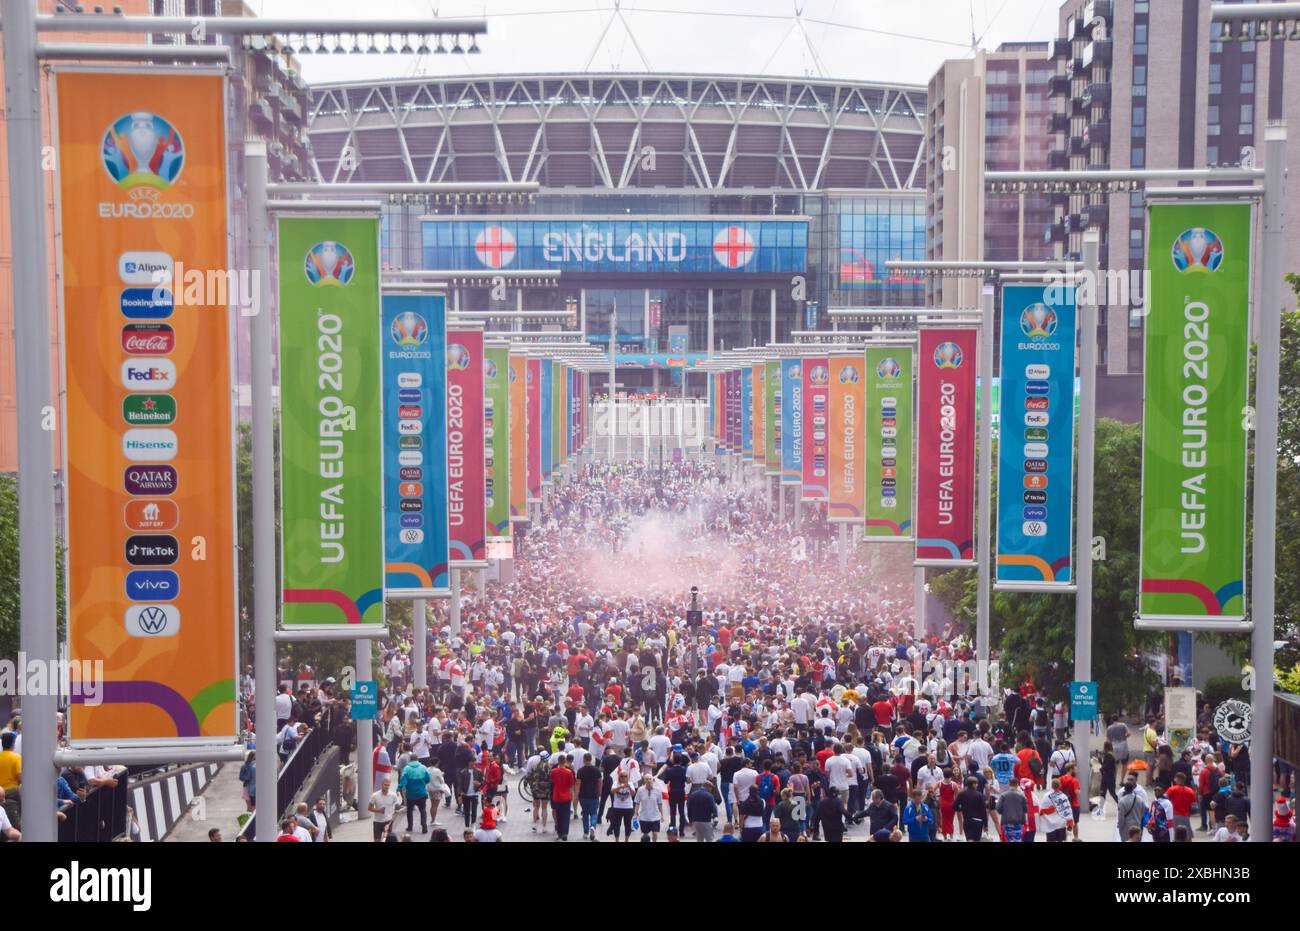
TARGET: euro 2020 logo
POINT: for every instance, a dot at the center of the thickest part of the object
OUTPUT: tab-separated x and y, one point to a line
849	375
1198	250
142	148
948	356
1038	321
819	375
457	358
329	263
409	329
888	368
489	369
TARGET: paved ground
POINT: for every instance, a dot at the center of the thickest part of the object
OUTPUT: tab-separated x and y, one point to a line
518	827
223	803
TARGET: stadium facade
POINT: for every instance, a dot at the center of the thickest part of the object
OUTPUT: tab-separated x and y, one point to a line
703	212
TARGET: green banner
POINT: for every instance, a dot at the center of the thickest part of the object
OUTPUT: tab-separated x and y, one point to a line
888	426
331	445
772	419
496	429
1193	435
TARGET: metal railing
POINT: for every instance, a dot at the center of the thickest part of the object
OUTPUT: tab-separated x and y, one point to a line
293	773
101	817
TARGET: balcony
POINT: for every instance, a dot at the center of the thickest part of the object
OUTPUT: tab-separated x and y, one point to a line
1060	48
1099	8
1098	52
1080	107
1096	94
1058	123
1058	85
1078	145
1053	232
1097	133
1070	223
260	112
1094	215
1058	159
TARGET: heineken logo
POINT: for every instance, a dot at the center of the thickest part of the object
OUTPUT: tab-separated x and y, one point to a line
151	409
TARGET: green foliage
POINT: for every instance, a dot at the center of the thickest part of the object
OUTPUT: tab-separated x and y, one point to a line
1035	633
1221	688
1288	680
1287	577
10	618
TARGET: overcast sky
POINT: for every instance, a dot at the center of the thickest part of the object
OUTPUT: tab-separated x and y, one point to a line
851	38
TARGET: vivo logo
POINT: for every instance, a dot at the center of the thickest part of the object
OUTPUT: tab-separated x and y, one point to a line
152	585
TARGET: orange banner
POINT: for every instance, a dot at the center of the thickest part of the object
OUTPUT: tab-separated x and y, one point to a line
149	447
847	490
758	395
518	439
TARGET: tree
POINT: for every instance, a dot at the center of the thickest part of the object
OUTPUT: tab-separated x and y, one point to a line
1034	634
9	600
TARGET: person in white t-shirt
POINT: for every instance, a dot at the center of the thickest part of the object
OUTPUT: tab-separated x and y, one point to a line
660	745
698	773
383	805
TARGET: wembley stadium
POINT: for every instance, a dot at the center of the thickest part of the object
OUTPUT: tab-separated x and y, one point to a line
702	212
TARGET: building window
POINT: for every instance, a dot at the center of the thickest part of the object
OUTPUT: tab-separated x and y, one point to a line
1140	39
1212	154
1139	116
1247	127
1216	78
1139	74
1139	158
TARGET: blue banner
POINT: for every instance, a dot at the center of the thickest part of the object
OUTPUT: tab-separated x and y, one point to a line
747	414
632	245
791	422
1036	441
415	443
548	422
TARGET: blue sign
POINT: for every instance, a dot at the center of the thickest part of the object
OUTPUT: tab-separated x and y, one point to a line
414	362
365	698
747	414
1036	436
548	424
1083	701
632	245
791	422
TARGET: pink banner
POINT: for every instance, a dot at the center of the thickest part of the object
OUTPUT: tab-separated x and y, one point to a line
466	495
945	446
816	426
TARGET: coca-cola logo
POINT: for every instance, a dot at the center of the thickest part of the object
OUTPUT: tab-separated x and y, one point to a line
148	338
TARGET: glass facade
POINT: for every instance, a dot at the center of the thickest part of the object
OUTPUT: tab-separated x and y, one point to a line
841	253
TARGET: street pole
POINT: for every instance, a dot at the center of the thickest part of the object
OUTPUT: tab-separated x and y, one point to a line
984	535
454	608
31	302
844	547
265	596
613	409
421	659
1083	506
1263	542
918	602
365	741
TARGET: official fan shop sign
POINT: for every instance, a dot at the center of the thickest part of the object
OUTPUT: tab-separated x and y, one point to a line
887	429
331	431
150	576
945	447
1193	441
1036	443
414	363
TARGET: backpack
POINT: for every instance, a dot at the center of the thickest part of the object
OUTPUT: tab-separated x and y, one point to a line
1036	765
766	787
